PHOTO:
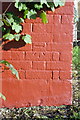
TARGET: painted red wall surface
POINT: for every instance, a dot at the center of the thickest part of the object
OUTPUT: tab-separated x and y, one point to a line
44	66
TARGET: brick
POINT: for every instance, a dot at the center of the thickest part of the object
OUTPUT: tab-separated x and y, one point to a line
26	28
49	28
63	28
67	19
18	55
62	37
65	66
50	18
64	10
37	65
60	92
40	37
22	65
55	75
53	65
69	3
57	19
38	28
0	54
66	56
27	47
65	75
49	12
59	47
38	74
7	74
58	65
67	28
6	55
21	74
55	56
46	56
37	20
39	56
39	46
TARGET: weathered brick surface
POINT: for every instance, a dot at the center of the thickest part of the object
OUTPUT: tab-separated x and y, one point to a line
55	56
17	55
39	46
44	66
39	65
38	74
39	56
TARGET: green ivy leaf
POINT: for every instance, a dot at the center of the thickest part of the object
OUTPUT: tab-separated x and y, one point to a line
8	36
51	6
22	20
20	6
16	27
17	37
44	2
27	39
25	14
13	18
2	96
59	2
9	15
62	3
6	22
16	0
0	16
3	29
13	70
56	2
31	14
4	62
43	16
1	23
38	6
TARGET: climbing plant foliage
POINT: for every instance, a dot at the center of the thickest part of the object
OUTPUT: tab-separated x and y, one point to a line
12	24
10	66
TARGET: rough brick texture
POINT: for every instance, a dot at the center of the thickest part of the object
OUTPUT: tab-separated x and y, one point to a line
44	66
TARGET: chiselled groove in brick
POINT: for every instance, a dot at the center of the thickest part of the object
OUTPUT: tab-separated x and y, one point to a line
32	27
52	74
39	46
39	56
61	19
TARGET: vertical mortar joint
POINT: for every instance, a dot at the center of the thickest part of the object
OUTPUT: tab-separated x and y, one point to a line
61	19
31	27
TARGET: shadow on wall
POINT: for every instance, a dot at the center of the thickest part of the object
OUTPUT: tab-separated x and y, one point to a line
13	44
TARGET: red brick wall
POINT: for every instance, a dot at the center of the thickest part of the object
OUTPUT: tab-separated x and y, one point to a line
44	66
